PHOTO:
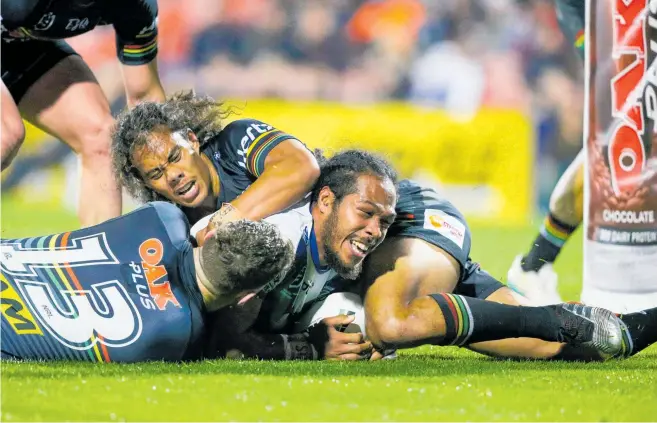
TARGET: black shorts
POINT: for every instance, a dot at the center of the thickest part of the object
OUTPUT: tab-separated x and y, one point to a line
24	62
422	214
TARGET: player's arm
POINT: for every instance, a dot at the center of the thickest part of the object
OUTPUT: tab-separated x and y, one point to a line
283	167
233	336
135	23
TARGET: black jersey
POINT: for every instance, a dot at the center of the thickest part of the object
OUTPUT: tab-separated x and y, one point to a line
135	23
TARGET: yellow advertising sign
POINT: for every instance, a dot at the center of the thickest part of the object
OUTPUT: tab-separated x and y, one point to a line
483	165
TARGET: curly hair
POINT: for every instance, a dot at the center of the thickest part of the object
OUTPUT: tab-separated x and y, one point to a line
246	255
181	111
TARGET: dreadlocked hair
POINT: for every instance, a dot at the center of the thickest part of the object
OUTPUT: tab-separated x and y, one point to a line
341	172
133	128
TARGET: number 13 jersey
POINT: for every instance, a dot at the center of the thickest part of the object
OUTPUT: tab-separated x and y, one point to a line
124	290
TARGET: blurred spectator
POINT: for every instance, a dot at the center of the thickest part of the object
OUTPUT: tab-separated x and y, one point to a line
459	55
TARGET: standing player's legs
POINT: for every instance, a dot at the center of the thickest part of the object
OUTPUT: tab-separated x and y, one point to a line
406	305
13	130
531	274
57	92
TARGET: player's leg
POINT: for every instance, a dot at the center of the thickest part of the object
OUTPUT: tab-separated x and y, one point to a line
532	274
403	307
13	130
517	347
639	330
65	100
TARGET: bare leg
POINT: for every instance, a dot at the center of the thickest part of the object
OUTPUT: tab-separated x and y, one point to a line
400	275
13	130
68	103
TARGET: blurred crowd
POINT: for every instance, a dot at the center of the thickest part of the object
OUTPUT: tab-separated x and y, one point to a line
458	55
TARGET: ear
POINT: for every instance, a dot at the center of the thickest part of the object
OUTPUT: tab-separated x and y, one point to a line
193	140
209	235
325	200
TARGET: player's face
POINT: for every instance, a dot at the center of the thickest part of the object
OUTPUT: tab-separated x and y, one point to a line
172	165
358	224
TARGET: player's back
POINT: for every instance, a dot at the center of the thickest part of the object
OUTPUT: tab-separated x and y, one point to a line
124	290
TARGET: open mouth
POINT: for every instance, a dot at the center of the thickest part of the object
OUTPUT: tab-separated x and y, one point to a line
188	191
359	249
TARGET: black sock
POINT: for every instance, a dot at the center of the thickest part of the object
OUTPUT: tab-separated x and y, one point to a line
548	244
639	331
469	320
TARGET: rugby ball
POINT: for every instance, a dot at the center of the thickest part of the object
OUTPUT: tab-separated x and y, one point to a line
334	305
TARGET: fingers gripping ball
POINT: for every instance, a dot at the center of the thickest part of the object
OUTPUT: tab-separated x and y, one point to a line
345	303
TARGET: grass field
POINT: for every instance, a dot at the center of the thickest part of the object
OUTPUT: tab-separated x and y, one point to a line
427	383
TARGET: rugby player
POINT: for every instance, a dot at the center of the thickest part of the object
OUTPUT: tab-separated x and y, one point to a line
130	289
179	151
420	285
532	274
45	82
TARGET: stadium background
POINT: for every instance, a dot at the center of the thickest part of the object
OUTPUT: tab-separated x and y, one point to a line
480	99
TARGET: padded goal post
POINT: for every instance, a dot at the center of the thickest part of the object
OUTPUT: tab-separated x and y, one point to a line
620	210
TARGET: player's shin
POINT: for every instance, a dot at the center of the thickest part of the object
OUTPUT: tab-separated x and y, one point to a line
548	244
564	218
470	320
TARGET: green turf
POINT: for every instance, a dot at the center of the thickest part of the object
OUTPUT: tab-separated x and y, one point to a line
427	383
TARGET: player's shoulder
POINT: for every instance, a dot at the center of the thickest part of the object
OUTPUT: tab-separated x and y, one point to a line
414	197
294	223
246	123
173	220
244	130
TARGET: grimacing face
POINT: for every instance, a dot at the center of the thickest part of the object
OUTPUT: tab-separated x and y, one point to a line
355	226
171	164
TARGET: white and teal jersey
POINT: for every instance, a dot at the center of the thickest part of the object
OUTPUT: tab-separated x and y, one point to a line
306	283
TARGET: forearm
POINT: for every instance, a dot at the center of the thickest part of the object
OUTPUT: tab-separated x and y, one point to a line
265	346
231	333
153	93
142	83
273	192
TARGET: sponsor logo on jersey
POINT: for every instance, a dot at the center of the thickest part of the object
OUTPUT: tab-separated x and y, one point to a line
151	253
13	309
446	225
253	131
75	24
150	28
45	22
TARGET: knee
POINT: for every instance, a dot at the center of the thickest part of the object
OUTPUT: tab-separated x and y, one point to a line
385	332
94	139
13	135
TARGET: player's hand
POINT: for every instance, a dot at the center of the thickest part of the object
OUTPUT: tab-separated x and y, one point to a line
376	355
343	346
227	213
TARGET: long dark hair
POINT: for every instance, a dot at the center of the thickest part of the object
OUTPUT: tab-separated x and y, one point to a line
181	111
